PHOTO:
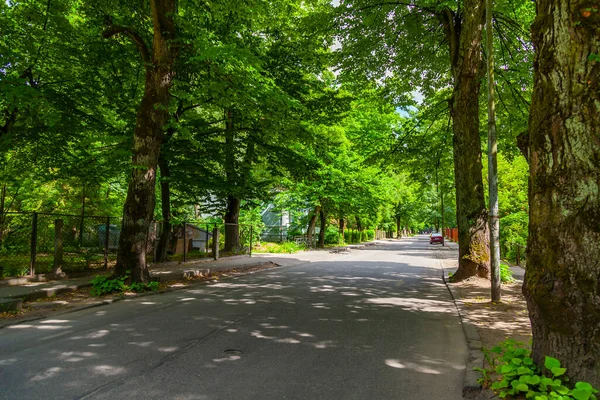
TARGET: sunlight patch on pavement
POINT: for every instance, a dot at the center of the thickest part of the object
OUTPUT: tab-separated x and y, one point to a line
408	365
167	349
108	370
94	335
229	358
413	304
49	373
288	341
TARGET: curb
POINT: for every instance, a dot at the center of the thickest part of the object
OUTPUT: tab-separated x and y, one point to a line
471	388
133	296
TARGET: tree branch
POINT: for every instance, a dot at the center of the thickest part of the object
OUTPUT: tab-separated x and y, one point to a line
113	30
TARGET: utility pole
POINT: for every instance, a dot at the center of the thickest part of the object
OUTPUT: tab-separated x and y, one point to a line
494	222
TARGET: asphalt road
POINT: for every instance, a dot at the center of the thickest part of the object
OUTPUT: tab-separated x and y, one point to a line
376	323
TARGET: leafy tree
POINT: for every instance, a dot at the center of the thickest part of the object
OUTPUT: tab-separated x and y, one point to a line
158	60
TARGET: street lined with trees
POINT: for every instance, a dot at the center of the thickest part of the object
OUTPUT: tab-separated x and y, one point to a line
351	117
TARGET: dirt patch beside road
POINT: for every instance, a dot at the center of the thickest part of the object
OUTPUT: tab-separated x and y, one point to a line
495	322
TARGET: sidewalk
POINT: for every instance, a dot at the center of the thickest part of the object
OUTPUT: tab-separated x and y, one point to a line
163	272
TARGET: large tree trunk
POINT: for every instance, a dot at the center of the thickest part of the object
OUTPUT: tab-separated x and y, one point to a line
311	225
562	282
165	196
153	115
232	228
464	38
322	229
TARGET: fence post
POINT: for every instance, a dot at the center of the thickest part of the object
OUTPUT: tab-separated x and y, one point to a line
34	226
207	234
250	240
184	241
106	240
58	247
215	248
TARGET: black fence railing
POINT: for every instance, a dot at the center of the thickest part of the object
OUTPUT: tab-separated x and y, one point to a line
195	240
42	243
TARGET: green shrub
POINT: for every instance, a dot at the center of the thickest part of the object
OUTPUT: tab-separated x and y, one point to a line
277	248
519	375
506	275
102	285
332	235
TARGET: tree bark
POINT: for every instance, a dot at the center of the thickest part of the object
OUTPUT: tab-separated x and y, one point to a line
232	228
342	229
152	116
165	196
465	37
562	282
232	231
322	229
494	222
312	224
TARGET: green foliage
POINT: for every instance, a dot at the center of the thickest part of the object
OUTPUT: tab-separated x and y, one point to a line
102	285
285	247
332	235
519	375
506	275
142	287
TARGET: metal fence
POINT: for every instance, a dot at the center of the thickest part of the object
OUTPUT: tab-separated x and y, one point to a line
195	240
33	243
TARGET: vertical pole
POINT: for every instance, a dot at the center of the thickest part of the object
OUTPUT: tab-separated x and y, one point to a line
58	247
251	240
443	219
206	244
106	240
82	216
34	226
494	222
281	228
215	248
184	241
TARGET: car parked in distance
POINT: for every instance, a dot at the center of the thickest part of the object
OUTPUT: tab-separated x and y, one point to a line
436	238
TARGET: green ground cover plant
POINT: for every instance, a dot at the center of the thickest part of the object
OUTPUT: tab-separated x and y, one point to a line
513	374
102	285
278	248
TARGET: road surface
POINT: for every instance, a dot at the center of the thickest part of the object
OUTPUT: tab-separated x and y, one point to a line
377	323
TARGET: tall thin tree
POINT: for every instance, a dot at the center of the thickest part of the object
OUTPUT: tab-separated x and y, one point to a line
494	221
